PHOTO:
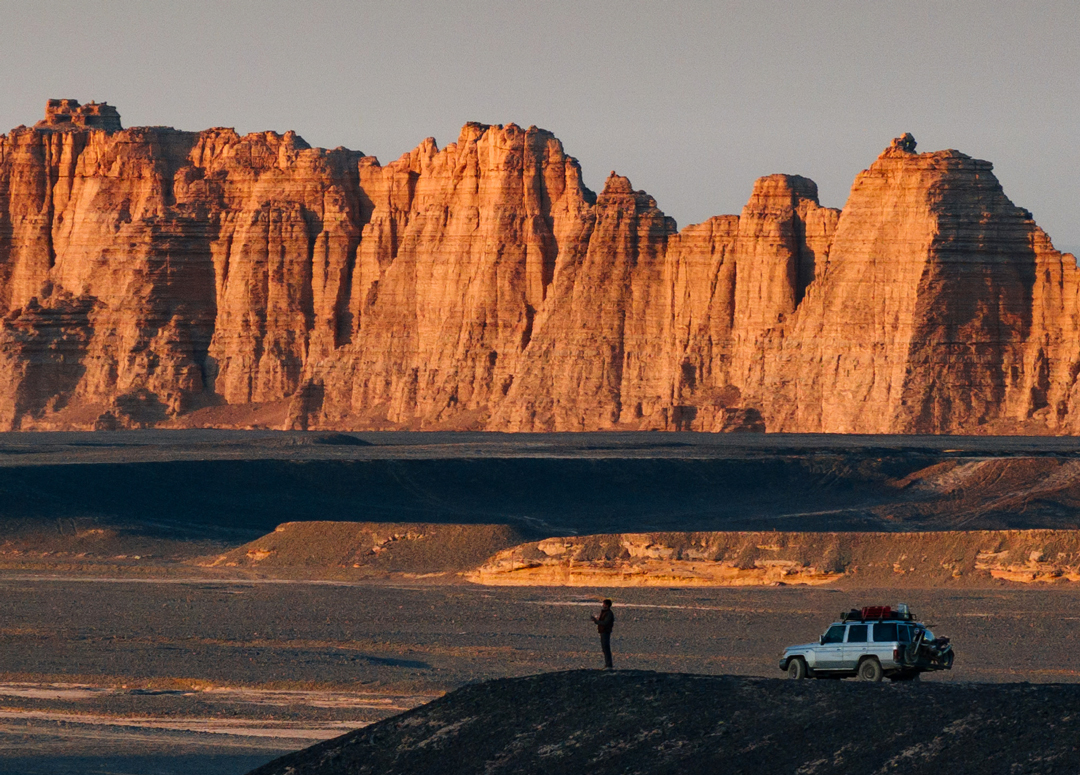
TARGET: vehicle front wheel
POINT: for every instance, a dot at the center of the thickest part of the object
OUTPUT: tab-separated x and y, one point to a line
870	670
796	669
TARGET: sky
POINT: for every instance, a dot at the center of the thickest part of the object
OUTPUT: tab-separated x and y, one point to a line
691	100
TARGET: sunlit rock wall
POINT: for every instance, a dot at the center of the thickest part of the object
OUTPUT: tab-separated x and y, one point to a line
155	277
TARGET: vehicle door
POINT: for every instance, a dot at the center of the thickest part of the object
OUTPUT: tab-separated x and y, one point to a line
828	653
855	646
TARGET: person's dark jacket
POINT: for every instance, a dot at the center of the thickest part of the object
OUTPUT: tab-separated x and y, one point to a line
605	621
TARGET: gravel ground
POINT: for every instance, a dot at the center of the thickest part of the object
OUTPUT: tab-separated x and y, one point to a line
312	659
637	722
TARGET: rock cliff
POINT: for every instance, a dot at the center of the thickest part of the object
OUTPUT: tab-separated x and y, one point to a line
921	320
150	276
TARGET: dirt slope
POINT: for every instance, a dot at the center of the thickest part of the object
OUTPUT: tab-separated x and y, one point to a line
331	549
639	722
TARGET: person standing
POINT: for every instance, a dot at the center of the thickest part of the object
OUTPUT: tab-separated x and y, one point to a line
605	621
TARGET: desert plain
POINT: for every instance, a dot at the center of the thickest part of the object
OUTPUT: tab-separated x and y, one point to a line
206	601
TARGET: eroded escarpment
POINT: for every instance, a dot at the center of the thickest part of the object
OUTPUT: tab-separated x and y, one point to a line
710	559
497	555
154	277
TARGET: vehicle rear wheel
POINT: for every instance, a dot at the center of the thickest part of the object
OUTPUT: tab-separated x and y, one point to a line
870	670
796	669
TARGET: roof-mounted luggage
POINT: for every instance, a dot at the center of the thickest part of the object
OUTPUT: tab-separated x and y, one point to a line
877	613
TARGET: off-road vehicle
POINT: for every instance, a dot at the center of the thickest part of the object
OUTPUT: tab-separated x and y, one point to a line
872	643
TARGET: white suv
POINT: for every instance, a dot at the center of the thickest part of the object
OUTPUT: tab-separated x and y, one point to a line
871	643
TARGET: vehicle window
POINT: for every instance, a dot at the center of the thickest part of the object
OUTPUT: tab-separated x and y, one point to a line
885	632
905	635
834	635
856	633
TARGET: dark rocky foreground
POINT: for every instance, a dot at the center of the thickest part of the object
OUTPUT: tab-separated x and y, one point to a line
644	722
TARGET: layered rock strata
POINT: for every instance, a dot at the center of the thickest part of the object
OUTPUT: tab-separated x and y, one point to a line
156	277
875	560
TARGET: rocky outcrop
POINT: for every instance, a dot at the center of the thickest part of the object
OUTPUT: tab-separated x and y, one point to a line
771	254
69	114
977	558
456	264
202	266
590	362
155	277
920	320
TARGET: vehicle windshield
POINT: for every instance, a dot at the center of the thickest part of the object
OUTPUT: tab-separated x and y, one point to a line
835	634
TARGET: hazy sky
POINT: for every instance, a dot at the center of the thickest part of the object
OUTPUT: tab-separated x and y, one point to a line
691	100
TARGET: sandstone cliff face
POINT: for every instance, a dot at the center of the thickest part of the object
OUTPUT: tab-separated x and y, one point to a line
590	363
455	265
919	321
198	265
156	277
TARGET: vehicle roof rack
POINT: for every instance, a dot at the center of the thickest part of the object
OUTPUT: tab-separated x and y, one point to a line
877	613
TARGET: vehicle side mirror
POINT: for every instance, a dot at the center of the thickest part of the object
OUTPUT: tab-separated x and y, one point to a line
821	640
